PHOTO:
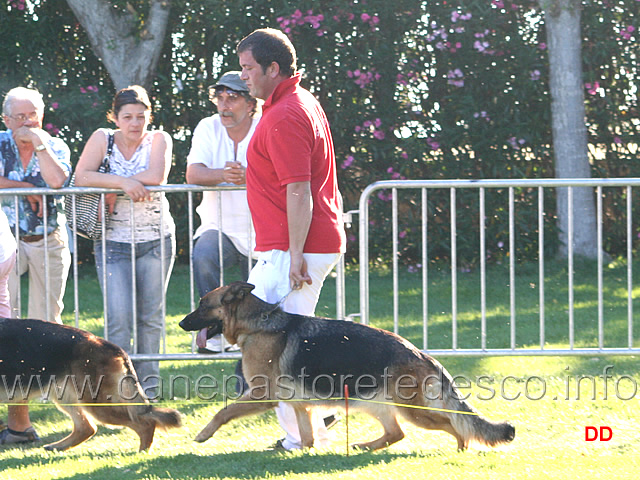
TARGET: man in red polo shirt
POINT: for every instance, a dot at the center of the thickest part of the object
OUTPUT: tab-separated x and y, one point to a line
292	191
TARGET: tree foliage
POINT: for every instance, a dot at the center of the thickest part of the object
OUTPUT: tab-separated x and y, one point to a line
439	89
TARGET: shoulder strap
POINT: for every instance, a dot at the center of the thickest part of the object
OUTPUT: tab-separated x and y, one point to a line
110	143
105	160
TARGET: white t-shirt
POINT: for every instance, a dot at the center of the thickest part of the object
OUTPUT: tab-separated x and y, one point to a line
146	214
212	147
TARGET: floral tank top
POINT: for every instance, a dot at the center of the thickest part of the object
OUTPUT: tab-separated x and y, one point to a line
148	216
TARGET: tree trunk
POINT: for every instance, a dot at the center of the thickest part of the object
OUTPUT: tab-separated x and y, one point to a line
562	19
129	56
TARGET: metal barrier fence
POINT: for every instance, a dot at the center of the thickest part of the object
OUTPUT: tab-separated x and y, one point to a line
428	326
542	347
189	191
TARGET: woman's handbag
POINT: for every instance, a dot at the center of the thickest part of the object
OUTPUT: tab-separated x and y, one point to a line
87	205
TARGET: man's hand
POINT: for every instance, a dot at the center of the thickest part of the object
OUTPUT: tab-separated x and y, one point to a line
35	201
25	134
234	173
298	274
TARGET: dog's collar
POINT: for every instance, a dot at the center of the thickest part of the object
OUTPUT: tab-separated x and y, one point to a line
265	315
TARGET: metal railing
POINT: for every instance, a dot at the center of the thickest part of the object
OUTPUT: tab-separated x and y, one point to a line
424	187
189	191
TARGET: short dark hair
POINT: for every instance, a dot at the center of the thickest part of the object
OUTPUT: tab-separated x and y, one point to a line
268	45
127	96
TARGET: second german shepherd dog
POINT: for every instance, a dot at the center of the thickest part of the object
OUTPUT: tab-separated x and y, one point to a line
310	361
83	374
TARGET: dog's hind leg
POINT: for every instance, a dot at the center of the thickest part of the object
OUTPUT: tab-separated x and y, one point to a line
83	429
392	431
242	408
145	431
431	420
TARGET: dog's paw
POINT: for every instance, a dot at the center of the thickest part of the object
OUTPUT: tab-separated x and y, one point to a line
361	447
202	437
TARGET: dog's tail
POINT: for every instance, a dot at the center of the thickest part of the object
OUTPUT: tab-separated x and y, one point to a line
164	418
469	425
141	410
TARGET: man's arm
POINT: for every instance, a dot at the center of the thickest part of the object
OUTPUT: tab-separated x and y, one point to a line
299	213
200	174
53	172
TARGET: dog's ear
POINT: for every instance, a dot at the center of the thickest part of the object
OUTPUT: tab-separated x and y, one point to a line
236	292
247	288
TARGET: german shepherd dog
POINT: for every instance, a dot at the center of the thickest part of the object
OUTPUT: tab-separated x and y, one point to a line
82	374
310	360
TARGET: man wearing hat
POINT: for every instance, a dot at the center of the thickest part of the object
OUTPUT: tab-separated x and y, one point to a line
218	156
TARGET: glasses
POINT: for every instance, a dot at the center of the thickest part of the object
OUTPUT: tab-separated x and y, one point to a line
228	95
23	117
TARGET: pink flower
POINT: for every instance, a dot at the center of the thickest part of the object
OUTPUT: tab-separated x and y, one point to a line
348	161
456	78
83	90
55	105
592	89
379	134
365	17
52	129
433	144
480	46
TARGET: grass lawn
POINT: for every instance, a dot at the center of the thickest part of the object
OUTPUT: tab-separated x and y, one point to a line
539	395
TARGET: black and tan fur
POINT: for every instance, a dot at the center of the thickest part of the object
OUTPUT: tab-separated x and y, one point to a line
276	345
36	354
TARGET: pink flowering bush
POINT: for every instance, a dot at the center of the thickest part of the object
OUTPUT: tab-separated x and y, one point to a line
413	90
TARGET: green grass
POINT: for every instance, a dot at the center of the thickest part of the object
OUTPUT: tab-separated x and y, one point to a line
550	424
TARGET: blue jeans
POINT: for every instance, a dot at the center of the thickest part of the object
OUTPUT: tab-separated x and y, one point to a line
149	292
206	261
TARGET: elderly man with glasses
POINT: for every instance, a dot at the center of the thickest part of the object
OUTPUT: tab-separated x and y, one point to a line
31	158
218	156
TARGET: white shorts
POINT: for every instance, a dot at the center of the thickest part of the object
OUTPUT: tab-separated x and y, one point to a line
271	279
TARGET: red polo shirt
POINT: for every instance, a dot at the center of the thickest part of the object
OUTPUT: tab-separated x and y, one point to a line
292	143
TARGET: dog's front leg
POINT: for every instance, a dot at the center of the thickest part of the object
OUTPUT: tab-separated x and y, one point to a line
243	407
303	416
